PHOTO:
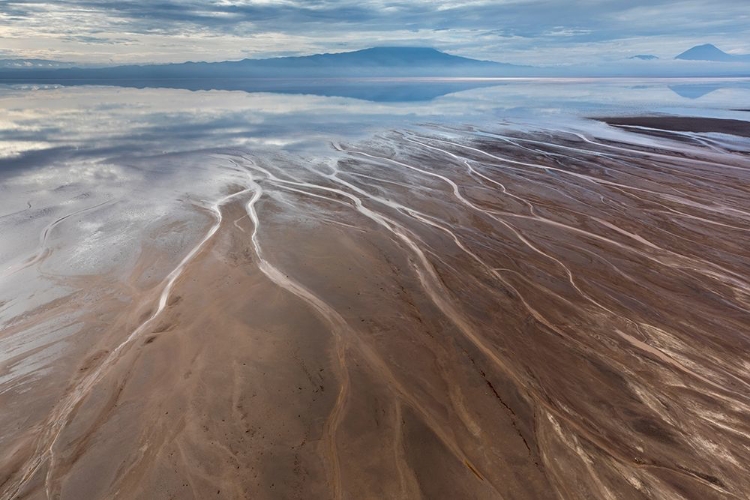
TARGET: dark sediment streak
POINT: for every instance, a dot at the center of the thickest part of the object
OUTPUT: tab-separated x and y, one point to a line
684	124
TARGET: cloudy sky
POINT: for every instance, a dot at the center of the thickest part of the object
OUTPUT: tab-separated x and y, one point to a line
518	31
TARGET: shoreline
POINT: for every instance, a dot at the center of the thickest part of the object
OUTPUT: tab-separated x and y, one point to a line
642	124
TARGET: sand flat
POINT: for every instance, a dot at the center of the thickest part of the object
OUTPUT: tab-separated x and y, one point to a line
435	313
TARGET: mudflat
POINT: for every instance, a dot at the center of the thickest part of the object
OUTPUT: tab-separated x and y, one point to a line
446	313
684	124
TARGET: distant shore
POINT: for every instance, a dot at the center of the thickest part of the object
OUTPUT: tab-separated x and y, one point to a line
683	124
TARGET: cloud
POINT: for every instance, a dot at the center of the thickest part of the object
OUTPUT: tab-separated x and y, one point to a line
532	31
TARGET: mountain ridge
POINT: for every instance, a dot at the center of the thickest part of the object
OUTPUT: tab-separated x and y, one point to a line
371	62
375	62
710	52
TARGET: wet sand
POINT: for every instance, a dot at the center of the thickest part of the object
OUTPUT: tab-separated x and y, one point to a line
684	124
448	313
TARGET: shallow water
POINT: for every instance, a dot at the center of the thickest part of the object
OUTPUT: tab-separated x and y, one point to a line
502	239
104	163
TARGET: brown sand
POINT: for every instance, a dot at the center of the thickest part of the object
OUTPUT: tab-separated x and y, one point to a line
449	316
684	124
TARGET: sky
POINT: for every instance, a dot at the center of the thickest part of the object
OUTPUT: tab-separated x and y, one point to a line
536	32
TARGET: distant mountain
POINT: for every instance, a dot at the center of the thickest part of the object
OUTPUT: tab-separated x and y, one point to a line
379	57
374	62
644	57
710	52
342	73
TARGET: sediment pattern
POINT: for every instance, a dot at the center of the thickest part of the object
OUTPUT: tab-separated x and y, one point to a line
441	313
